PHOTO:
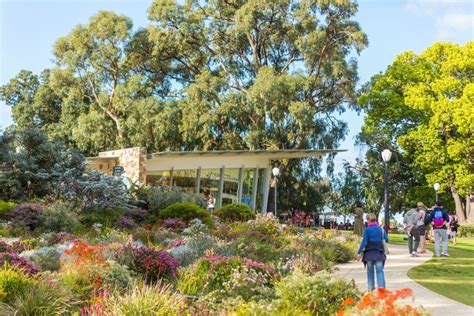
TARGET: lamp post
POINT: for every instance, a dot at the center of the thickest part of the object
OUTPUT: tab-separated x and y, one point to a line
386	155
275	172
436	188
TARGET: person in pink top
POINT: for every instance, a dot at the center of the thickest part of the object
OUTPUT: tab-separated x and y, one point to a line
421	226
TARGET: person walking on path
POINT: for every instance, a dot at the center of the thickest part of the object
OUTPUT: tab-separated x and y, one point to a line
373	252
410	220
439	219
421	226
359	219
454	229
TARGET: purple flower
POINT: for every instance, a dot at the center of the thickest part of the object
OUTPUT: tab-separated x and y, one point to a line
154	264
15	260
174	224
137	214
59	238
125	222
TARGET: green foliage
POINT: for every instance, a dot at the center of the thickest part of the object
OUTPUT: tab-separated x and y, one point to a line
322	291
5	207
115	276
31	164
157	199
106	217
46	258
466	231
235	212
93	190
147	300
59	217
421	108
12	283
42	300
186	212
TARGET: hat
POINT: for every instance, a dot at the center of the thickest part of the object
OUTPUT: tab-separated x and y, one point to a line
420	204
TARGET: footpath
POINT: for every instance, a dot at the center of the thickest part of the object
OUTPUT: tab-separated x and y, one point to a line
396	268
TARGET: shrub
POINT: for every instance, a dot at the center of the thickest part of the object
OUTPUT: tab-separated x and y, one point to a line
174	224
59	238
147	300
225	276
235	212
139	215
59	217
5	207
186	212
322	292
125	222
115	275
93	190
466	230
156	199
105	217
41	299
25	216
383	302
47	258
153	264
12	283
12	259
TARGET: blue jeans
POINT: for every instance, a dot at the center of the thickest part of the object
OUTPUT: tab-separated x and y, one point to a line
372	267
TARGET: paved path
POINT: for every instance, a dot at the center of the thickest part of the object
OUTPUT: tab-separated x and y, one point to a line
396	267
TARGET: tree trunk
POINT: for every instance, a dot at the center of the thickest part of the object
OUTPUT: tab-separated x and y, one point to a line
470	208
459	205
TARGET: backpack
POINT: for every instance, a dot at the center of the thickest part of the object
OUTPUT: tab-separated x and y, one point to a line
438	220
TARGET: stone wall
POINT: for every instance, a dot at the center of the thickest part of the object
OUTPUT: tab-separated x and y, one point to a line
133	161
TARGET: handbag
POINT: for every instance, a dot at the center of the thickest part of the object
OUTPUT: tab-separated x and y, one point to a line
385	246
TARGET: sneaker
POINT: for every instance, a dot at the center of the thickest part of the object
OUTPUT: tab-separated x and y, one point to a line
414	254
445	255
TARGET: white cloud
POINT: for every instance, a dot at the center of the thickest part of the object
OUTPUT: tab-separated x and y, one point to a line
451	17
454	23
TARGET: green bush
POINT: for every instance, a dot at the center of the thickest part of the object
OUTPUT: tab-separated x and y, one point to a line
5	207
107	217
186	212
323	292
466	230
155	199
226	276
147	300
235	212
12	283
59	217
47	258
42	299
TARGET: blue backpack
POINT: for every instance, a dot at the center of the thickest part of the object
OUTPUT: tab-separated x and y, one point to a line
438	220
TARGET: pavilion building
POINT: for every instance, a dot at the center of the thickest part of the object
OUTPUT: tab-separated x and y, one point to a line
232	176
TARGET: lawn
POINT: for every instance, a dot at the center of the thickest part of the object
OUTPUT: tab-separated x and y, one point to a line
452	277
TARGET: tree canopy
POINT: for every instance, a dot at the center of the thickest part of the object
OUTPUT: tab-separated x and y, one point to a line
203	75
421	107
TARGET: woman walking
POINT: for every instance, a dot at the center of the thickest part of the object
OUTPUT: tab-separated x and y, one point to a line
373	252
421	226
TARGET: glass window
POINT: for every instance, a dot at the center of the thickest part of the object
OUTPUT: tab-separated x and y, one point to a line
185	179
158	178
247	189
231	184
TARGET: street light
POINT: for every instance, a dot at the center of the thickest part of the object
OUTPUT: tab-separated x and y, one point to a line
275	172
436	188
386	155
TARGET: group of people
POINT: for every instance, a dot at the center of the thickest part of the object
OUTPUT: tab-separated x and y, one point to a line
443	226
373	249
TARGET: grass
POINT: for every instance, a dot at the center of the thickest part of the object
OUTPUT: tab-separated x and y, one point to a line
452	276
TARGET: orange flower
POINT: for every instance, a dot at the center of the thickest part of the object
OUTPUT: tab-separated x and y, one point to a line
348	301
404	293
341	312
367	301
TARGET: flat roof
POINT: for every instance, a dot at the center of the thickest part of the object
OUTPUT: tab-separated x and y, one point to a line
270	154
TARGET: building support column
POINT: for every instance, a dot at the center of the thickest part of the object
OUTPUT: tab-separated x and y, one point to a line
198	180
171	177
221	188
266	188
240	186
255	188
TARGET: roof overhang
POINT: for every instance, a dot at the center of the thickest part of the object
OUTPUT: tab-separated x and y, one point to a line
267	154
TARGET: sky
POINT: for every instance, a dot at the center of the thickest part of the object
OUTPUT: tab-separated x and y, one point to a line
29	28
